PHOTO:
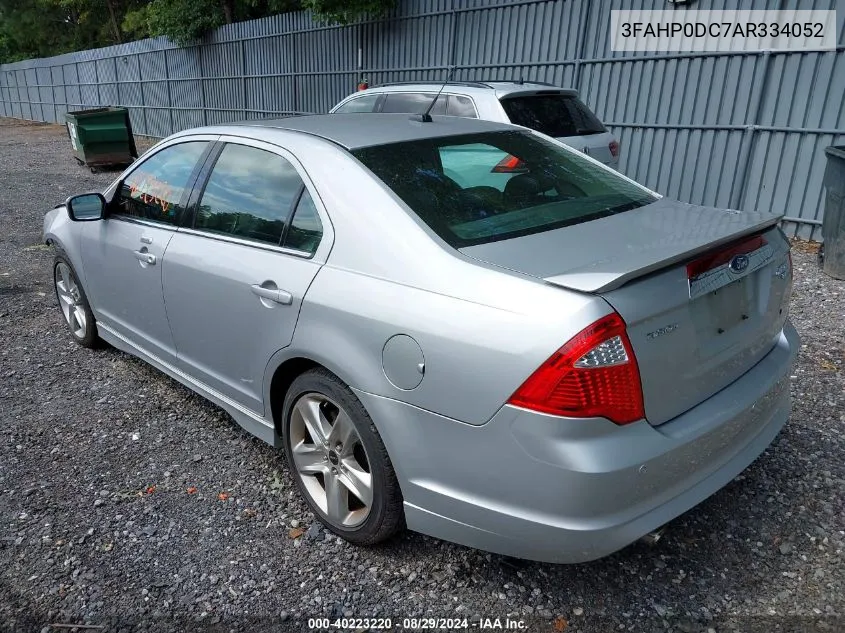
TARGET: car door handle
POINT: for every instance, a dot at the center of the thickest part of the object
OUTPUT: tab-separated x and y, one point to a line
147	258
273	294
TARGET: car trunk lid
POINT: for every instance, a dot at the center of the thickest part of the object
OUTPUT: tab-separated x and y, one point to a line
695	324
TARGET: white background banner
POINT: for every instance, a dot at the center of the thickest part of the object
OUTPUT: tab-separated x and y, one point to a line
683	30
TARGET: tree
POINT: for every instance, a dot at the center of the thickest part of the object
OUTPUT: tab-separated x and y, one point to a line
345	11
41	28
185	21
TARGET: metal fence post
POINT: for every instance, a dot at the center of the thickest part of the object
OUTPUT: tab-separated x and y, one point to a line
53	95
243	77
28	100
295	77
749	140
17	101
202	84
116	82
97	79
7	96
581	45
2	92
453	44
143	97
22	96
167	84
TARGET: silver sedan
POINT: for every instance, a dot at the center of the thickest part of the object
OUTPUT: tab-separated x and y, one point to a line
451	324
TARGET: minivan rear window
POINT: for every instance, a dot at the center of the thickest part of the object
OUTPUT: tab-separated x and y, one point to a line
478	188
557	115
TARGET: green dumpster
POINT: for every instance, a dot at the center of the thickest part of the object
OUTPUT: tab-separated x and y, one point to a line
101	137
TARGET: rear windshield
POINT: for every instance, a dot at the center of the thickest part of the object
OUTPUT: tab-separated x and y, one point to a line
479	188
557	115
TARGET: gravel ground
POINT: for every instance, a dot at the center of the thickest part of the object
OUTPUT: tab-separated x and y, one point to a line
128	502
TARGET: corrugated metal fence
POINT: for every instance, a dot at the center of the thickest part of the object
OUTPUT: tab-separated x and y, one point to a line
744	130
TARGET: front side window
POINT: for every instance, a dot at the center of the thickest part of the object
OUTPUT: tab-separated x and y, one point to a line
558	115
413	102
249	195
367	103
154	190
479	188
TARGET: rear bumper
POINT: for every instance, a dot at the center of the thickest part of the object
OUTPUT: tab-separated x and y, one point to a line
565	490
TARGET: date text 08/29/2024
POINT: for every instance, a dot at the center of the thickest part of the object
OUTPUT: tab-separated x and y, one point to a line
418	624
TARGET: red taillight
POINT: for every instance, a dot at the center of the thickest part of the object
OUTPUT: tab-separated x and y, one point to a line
712	260
614	149
509	165
595	375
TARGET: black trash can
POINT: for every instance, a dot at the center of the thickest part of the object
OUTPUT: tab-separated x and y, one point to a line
833	223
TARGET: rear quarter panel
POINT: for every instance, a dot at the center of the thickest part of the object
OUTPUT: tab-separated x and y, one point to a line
476	354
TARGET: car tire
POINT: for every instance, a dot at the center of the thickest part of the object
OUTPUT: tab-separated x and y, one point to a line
73	303
317	411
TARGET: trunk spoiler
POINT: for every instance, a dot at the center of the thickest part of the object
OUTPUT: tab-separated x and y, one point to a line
609	274
601	255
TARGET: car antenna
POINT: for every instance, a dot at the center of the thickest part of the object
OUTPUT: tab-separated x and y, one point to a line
425	117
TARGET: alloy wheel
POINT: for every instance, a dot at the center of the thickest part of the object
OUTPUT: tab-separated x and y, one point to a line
331	460
70	300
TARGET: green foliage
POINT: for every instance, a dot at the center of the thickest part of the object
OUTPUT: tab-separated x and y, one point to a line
183	21
41	28
136	23
345	11
20	33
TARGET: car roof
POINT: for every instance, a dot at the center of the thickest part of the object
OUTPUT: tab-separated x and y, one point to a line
498	88
353	131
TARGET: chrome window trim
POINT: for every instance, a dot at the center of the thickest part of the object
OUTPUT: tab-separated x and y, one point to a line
266	246
120	217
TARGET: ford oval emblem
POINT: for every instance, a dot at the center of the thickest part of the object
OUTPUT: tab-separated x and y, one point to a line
739	263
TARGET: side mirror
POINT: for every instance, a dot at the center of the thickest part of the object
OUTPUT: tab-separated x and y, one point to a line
86	207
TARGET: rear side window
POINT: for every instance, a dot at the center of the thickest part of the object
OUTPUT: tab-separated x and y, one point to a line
249	195
413	102
461	106
305	229
556	115
478	188
366	103
155	189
